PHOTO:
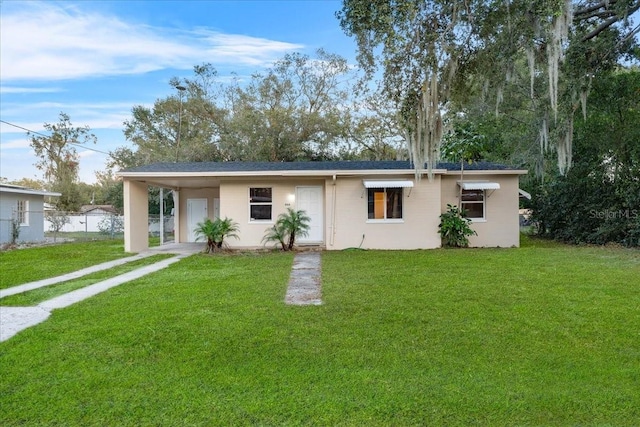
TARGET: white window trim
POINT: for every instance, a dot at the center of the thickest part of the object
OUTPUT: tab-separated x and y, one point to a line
25	212
386	221
478	220
484	207
259	221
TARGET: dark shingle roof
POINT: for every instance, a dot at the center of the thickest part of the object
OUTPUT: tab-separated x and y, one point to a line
302	166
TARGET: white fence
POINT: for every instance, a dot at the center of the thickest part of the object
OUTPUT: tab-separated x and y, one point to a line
99	223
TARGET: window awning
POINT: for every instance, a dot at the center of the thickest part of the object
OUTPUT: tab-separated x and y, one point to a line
470	185
524	194
388	184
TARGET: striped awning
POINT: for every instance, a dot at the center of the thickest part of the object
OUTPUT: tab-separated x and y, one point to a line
388	184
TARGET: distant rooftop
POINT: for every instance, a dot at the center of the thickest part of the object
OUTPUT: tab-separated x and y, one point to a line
10	188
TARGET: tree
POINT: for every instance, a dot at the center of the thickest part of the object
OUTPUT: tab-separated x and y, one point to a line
57	221
598	201
419	41
109	190
432	51
35	184
373	129
462	144
180	127
59	159
292	112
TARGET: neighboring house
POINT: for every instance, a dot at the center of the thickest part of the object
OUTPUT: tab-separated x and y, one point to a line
365	204
98	210
26	207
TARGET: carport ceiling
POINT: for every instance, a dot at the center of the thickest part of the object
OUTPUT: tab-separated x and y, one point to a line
182	182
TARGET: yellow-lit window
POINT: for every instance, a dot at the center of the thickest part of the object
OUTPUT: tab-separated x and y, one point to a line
385	203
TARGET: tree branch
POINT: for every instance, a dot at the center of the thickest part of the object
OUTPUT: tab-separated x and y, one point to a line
596	14
595	7
609	22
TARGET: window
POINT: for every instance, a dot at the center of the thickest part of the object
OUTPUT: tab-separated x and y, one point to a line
384	203
473	203
23	212
260	204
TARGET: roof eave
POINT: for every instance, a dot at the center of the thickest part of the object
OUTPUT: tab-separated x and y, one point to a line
489	172
279	173
30	192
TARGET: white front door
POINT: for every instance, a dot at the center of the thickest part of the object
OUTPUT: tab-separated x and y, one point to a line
309	199
196	212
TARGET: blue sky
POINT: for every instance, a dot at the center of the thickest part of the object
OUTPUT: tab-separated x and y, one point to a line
95	60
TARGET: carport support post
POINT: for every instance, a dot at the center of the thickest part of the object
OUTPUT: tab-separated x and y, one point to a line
161	216
136	216
176	215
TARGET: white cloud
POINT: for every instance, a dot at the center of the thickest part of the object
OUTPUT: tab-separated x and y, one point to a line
6	128
96	115
232	48
44	41
15	144
17	89
86	153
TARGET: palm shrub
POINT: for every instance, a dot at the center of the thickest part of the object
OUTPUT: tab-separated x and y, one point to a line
454	228
289	226
215	232
278	234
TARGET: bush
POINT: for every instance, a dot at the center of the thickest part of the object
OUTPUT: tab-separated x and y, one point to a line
216	232
57	220
111	225
454	228
587	208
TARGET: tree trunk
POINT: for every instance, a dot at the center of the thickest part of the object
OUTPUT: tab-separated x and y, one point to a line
292	238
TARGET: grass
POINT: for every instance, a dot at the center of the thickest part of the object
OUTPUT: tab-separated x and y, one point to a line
83	235
542	335
27	265
39	295
79	236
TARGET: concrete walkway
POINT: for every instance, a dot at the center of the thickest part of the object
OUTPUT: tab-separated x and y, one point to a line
16	319
304	283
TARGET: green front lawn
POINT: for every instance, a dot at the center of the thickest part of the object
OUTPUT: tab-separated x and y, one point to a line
27	265
542	335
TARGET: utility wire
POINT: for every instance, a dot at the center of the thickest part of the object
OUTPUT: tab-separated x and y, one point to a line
48	136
